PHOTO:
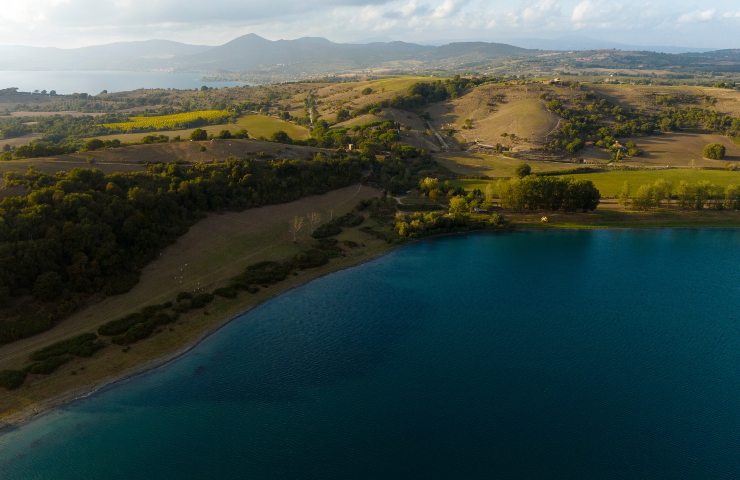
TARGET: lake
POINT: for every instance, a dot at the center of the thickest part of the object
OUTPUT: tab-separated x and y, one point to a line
93	82
559	354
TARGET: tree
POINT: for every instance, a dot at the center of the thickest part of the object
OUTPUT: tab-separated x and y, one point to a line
296	224
489	195
314	220
715	151
198	135
523	170
281	137
459	206
48	286
623	197
643	199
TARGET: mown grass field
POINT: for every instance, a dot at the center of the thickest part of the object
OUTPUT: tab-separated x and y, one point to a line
256	125
497	166
163	122
609	183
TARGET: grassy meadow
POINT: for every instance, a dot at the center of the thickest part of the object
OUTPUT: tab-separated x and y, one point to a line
256	125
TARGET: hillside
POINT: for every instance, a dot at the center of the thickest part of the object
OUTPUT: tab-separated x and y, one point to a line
264	59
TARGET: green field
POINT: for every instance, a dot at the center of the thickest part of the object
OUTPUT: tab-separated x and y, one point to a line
396	84
256	125
609	183
264	126
163	122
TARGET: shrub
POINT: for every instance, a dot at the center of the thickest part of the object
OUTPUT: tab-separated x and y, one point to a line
226	292
81	346
138	332
523	170
349	220
201	300
326	230
12	379
311	259
184	296
262	273
49	365
198	135
119	326
715	151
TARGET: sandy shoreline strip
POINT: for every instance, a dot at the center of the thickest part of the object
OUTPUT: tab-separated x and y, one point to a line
18	418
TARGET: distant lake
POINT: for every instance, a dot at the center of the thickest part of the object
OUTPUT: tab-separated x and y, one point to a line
530	355
93	82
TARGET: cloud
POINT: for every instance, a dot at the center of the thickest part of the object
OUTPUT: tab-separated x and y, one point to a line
698	16
80	22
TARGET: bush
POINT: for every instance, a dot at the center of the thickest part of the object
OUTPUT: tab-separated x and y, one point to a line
326	230
349	220
119	326
262	273
80	346
311	259
201	300
198	135
12	379
715	151
138	332
523	170
226	292
184	296
50	365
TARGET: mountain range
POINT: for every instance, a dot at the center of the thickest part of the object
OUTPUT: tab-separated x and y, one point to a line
311	55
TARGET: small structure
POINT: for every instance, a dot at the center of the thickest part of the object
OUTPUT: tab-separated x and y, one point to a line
544	219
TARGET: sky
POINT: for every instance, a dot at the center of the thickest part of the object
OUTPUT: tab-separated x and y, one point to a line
74	23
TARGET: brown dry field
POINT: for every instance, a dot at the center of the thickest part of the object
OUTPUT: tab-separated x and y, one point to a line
675	150
211	252
135	157
18	141
495	166
71	113
728	101
522	113
332	97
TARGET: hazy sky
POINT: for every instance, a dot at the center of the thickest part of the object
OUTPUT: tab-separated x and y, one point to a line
70	23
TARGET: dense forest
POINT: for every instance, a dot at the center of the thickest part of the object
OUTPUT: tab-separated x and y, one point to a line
83	232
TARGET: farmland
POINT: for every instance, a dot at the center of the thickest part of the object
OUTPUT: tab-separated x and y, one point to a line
609	183
177	120
256	125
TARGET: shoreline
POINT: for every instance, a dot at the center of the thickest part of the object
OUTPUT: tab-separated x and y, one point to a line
24	416
35	411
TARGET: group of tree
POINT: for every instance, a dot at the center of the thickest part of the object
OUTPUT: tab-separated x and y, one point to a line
589	117
689	196
535	192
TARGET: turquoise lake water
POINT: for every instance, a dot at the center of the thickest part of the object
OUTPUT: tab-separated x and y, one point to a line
584	354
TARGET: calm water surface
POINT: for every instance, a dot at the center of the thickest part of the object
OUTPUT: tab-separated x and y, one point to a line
93	82
605	354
